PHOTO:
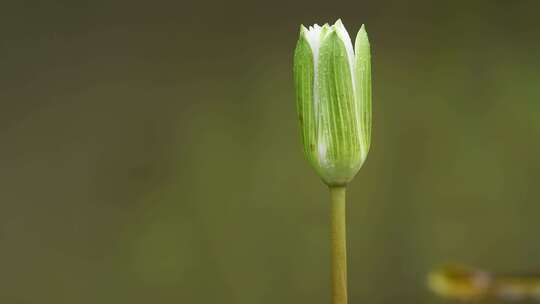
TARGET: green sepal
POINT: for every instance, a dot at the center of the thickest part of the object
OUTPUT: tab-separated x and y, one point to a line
363	87
303	71
339	151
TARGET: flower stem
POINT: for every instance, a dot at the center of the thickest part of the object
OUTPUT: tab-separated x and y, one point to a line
338	245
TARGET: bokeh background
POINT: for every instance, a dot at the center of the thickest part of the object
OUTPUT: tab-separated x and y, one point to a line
150	153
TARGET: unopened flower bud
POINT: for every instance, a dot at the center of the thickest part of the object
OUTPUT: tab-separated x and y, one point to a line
333	97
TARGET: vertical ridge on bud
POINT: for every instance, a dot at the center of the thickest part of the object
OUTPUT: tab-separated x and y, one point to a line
304	78
337	120
363	84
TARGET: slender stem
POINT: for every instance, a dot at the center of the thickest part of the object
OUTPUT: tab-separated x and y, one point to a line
339	245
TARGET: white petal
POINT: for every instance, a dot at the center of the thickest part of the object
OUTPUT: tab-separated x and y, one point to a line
344	36
313	36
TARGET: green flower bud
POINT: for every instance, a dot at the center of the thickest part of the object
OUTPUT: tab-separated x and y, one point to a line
333	99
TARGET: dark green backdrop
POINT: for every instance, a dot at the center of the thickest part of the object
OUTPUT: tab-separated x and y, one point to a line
149	151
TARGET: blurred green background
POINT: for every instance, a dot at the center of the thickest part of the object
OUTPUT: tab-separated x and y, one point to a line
150	153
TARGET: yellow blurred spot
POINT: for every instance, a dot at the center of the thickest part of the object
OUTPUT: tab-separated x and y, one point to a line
460	282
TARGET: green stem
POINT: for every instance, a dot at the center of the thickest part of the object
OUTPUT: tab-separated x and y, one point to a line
338	245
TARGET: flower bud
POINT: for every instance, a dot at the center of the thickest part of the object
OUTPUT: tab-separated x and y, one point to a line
333	99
